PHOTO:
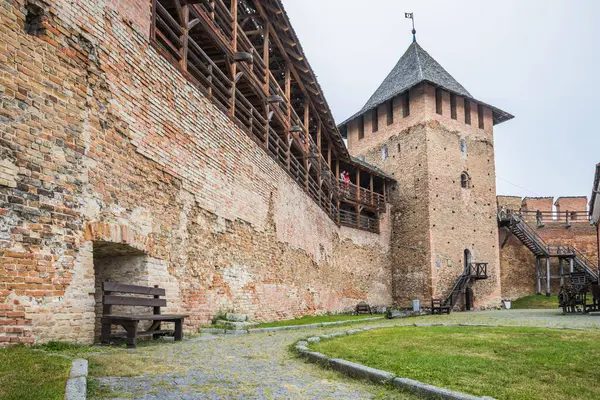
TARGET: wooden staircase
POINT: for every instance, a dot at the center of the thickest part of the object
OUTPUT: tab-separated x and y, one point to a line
527	235
475	271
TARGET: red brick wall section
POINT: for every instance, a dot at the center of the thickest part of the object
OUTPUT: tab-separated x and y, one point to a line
102	141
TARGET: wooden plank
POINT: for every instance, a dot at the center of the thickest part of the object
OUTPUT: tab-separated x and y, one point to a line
133	301
133	289
144	317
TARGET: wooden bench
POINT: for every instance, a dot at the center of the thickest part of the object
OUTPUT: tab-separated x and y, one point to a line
363	308
437	307
129	322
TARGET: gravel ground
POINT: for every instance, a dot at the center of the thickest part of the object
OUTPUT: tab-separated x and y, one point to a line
261	366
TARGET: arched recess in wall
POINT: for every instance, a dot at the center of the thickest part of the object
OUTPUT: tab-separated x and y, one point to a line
465	180
467	258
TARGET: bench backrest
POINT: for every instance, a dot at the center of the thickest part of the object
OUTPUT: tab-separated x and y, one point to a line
109	299
363	307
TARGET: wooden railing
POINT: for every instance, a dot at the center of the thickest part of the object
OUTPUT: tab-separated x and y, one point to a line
241	89
354	220
566	217
478	270
364	196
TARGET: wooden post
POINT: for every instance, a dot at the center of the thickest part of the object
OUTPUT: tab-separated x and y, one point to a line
548	276
153	25
562	271
266	59
306	122
267	90
358	185
337	185
234	14
329	154
320	170
358	210
185	11
538	275
371	187
288	91
288	112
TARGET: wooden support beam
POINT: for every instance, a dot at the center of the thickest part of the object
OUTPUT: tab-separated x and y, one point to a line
538	274
266	58
548	276
320	170
337	177
358	185
371	187
306	122
234	14
562	271
185	35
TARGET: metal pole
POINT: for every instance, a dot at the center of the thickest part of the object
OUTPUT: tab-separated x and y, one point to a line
548	276
571	266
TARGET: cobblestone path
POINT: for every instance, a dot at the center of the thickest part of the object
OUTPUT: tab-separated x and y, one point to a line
260	366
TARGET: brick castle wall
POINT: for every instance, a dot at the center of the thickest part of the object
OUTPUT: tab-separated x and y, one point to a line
108	154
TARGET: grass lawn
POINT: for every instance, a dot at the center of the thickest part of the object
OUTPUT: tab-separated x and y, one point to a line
535	301
27	374
315	319
505	363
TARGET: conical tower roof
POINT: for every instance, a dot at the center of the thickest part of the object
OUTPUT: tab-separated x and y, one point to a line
416	66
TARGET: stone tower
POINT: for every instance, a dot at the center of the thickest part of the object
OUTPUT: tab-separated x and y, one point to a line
426	130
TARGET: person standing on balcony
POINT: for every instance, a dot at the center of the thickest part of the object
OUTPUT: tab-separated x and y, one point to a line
538	219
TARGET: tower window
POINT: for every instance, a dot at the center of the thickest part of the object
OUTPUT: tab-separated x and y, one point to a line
467	112
390	112
452	106
374	120
465	181
399	148
361	127
384	152
480	115
463	145
405	105
34	19
438	101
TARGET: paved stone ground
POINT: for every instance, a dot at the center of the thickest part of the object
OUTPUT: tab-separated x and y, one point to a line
260	366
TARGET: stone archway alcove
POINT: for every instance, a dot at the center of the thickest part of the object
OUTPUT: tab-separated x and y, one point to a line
117	262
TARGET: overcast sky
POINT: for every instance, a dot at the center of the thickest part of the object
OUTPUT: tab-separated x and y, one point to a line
537	59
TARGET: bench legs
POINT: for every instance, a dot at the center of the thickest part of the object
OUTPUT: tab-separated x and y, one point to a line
131	339
178	329
105	333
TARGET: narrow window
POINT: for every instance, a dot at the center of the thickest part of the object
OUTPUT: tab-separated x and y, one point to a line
34	19
361	127
384	152
405	105
480	115
467	112
465	180
452	106
390	112
399	148
438	101
374	120
463	145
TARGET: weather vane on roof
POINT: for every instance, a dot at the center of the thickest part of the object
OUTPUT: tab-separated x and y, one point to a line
414	32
